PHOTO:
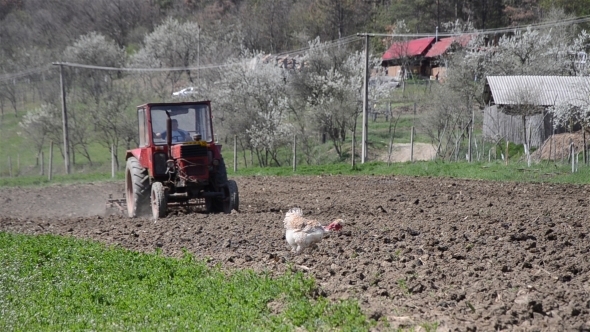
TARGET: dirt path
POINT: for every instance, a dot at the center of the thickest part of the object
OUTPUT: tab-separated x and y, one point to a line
465	254
402	152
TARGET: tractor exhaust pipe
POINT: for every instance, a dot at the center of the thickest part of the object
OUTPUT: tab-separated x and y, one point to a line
169	136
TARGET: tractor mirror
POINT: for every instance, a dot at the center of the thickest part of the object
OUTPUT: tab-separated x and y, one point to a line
169	136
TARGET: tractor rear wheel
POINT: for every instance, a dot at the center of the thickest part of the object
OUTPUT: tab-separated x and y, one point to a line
159	201
220	180
232	198
221	174
137	188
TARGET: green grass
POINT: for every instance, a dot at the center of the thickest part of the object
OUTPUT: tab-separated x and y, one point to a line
37	180
24	159
51	283
544	172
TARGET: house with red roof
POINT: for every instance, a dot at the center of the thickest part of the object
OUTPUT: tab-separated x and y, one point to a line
420	58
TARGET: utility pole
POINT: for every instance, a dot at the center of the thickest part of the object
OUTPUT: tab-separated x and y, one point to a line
365	101
199	52
437	14
64	116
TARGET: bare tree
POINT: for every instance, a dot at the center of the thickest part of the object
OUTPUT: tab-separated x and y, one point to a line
265	25
95	49
118	19
40	124
100	99
115	119
172	44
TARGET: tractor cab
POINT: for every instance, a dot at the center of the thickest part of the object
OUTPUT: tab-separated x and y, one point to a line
188	122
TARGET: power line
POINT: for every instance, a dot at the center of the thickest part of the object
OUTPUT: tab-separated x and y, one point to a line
333	43
32	71
137	69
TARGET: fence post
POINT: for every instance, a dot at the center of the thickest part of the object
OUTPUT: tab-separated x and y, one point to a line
113	164
507	142
17	172
572	157
352	150
9	167
412	144
50	170
584	155
469	152
294	152
42	164
235	153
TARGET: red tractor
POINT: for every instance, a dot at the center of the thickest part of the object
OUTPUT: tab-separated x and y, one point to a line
177	162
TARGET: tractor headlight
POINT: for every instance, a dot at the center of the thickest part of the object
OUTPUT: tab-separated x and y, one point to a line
215	162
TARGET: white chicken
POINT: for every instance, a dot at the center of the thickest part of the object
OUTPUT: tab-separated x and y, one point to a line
302	233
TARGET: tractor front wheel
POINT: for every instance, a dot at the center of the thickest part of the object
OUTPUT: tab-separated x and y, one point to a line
232	198
159	201
137	188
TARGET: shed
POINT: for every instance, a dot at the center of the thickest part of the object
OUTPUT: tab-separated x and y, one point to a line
505	95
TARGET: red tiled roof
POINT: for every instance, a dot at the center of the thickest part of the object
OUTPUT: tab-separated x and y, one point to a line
409	48
442	45
439	47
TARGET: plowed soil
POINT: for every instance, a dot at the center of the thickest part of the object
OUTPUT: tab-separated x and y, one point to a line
468	255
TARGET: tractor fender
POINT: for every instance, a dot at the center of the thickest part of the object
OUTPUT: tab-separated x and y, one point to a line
140	154
216	148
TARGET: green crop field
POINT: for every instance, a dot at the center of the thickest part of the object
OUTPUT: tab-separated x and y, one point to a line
52	283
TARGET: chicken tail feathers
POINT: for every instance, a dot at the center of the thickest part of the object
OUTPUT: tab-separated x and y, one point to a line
292	217
294	212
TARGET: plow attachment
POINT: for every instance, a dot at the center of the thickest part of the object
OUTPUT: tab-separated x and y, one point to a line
116	206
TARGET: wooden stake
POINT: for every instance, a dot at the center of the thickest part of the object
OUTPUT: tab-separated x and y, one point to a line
412	144
470	132
352	149
235	153
585	157
50	171
572	156
113	164
42	164
506	152
294	152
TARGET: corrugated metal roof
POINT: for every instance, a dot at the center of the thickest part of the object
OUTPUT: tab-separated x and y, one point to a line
540	90
405	49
